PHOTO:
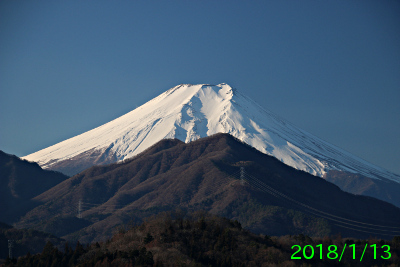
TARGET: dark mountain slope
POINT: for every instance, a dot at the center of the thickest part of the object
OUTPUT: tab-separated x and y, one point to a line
358	184
20	181
204	175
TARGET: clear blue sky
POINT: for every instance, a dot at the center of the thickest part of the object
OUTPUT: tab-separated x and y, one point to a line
330	67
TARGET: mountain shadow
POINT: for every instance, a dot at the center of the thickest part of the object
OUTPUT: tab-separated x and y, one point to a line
20	181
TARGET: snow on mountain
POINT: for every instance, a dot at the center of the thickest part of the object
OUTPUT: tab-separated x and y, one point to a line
188	112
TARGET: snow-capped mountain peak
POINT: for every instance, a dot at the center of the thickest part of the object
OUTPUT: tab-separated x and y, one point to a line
189	112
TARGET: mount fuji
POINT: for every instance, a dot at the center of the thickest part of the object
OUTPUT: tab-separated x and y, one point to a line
188	112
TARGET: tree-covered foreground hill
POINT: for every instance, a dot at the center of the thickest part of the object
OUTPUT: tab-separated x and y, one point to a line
201	239
24	241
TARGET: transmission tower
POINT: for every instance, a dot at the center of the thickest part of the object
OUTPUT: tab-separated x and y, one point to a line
10	247
242	181
80	209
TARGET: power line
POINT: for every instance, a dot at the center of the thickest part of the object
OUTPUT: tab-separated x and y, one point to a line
254	182
329	214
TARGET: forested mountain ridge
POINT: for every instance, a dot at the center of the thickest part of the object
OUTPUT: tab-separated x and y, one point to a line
272	198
